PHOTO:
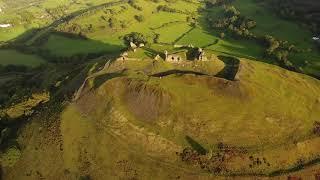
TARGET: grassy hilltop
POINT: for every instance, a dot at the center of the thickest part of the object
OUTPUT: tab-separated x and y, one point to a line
132	120
76	102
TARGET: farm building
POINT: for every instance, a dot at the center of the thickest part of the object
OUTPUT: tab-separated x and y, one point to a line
192	54
175	57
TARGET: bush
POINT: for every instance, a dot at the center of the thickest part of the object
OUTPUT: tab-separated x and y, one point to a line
135	37
222	35
133	4
139	18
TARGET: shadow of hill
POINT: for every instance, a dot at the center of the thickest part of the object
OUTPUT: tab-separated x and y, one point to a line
231	67
196	146
42	32
98	81
176	72
61	47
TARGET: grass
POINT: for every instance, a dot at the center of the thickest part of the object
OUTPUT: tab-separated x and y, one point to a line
7	34
126	127
10	157
16	58
264	106
63	46
171	33
239	48
26	107
106	39
269	23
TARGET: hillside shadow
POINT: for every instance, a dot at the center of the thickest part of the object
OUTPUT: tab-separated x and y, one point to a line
98	81
63	47
196	146
176	72
231	67
65	19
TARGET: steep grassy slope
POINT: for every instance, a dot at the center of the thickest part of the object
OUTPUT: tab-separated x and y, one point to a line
136	119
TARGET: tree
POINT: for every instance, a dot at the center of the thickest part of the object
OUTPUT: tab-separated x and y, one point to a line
231	11
135	37
139	18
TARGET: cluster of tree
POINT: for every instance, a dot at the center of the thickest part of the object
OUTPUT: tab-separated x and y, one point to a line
76	29
56	12
239	26
139	18
166	8
192	20
279	50
156	38
134	37
112	22
211	3
26	17
235	23
134	4
306	11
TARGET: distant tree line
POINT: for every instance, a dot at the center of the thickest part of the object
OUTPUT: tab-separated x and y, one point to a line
211	3
305	11
240	26
166	8
56	12
279	50
134	4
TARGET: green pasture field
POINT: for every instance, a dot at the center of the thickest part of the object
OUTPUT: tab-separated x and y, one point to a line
16	58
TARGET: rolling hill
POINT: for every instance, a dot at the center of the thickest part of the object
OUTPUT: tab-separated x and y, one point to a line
132	120
108	89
